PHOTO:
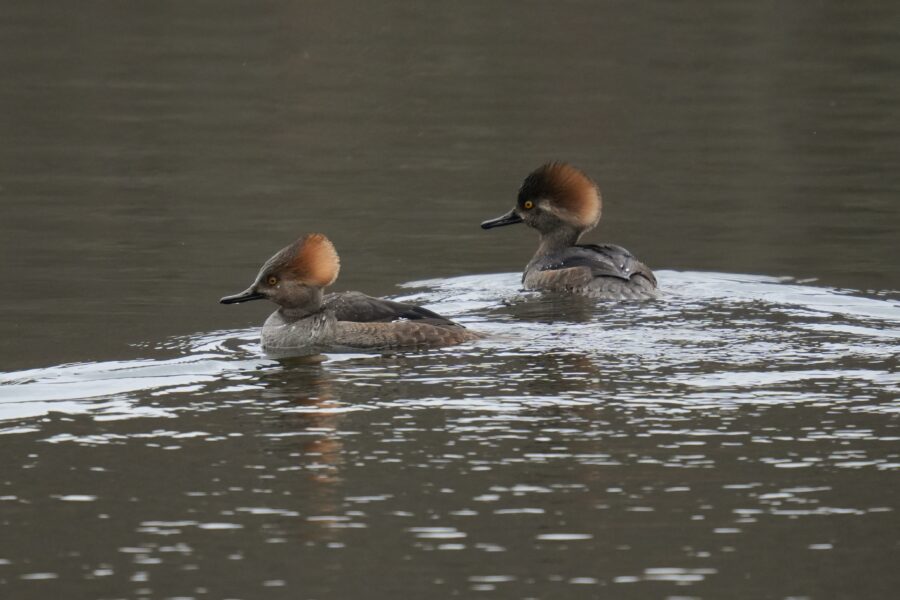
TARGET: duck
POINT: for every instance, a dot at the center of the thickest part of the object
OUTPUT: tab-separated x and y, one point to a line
562	203
308	321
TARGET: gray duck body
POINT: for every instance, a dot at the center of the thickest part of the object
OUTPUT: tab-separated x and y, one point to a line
354	321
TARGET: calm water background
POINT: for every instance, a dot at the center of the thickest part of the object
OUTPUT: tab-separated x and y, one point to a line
738	439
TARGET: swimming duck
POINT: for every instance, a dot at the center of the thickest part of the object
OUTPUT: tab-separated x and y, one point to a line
562	203
309	320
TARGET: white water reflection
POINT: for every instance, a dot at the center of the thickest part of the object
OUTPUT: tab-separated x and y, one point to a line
109	390
714	340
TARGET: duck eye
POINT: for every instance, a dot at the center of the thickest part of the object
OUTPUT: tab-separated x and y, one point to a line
272	280
528	205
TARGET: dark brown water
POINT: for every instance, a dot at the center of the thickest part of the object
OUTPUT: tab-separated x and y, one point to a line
738	439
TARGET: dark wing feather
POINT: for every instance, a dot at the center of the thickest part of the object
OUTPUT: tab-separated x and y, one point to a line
360	308
604	260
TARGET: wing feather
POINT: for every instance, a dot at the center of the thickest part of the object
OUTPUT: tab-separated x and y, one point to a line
603	260
360	308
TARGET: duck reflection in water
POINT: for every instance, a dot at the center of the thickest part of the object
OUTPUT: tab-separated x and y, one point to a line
303	432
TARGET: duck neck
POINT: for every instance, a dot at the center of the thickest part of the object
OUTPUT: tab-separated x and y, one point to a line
556	240
309	304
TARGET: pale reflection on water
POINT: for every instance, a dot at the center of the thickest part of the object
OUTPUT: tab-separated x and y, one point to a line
637	448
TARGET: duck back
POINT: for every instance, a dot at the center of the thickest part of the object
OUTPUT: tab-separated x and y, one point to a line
603	271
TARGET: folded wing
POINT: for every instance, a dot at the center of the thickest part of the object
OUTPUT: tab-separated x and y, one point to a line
603	260
360	308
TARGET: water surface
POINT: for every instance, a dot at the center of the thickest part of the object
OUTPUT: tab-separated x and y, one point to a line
649	448
738	438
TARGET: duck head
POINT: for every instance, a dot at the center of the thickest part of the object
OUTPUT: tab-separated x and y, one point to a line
295	277
555	198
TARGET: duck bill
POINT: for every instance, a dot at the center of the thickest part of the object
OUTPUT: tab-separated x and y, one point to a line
245	296
510	218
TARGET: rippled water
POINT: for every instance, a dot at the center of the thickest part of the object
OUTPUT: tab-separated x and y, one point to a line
736	439
625	449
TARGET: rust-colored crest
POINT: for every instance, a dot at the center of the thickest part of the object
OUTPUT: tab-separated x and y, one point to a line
570	191
315	260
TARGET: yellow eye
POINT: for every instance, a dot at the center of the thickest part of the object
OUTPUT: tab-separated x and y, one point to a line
528	205
272	280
